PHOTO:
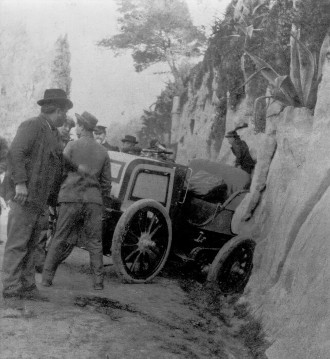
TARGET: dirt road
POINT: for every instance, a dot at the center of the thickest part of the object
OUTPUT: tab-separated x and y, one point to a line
169	318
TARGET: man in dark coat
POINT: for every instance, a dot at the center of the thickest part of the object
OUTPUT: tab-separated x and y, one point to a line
3	162
81	198
241	152
3	155
34	168
130	145
100	135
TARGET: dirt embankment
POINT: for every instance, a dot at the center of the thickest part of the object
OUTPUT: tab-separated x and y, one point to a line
173	317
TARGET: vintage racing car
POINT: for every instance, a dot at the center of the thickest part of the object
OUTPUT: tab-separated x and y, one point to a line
152	214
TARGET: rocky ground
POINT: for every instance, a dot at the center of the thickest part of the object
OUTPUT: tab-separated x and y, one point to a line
173	317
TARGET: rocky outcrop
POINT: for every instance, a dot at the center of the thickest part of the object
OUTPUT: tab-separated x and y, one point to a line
196	130
290	286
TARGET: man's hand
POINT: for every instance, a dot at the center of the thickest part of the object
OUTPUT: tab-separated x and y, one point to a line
21	193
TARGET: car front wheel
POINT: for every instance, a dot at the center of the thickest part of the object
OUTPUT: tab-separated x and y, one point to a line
232	266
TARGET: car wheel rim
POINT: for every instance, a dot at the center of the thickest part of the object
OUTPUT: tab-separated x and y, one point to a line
144	243
236	269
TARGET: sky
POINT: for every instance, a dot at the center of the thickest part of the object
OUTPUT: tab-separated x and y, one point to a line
102	84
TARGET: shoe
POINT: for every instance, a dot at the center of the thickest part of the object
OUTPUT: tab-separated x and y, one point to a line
34	295
98	286
46	283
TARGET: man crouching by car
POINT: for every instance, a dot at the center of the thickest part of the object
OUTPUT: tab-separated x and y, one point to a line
80	202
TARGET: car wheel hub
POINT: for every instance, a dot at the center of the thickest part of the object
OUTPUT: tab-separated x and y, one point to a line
145	242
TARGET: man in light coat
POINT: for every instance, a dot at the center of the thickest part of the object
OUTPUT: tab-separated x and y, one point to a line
81	198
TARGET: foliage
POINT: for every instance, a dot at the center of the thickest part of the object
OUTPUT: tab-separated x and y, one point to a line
300	88
264	28
156	122
60	69
156	31
24	77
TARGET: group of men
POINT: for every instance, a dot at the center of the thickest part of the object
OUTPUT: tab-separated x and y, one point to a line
45	168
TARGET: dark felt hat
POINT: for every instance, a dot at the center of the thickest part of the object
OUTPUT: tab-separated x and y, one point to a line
55	96
99	129
232	134
88	120
129	138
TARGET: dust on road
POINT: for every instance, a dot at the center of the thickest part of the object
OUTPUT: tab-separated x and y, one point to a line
169	318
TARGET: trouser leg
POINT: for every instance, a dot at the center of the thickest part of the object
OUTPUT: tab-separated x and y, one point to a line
40	251
28	268
62	244
17	271
93	233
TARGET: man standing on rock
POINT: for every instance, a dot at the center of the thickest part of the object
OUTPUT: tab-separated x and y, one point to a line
34	169
241	152
81	197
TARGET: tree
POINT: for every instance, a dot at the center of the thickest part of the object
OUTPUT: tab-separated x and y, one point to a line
156	31
156	122
61	70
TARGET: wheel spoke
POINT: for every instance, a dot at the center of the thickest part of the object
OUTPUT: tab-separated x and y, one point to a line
133	235
155	230
135	261
151	223
131	255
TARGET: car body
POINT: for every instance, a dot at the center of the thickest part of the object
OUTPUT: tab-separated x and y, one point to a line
152	214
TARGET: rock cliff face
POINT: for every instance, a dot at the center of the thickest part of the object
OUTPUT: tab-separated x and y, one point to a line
194	120
290	285
286	212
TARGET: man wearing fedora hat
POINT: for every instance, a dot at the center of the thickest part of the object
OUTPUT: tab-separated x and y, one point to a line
129	145
241	152
81	197
100	136
33	172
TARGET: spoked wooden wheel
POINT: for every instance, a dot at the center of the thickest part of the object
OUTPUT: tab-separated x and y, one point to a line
141	241
232	266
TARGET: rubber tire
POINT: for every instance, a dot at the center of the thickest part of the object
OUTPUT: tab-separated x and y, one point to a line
222	256
117	239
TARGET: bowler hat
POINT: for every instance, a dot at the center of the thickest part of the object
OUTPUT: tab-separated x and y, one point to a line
99	129
55	96
232	134
129	138
87	119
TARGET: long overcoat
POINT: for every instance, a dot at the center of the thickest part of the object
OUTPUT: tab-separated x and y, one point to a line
35	157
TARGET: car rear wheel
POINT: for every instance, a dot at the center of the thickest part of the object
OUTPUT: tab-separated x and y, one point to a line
232	266
141	241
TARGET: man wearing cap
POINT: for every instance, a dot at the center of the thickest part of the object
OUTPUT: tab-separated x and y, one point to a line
100	135
129	145
241	152
49	216
81	198
33	171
